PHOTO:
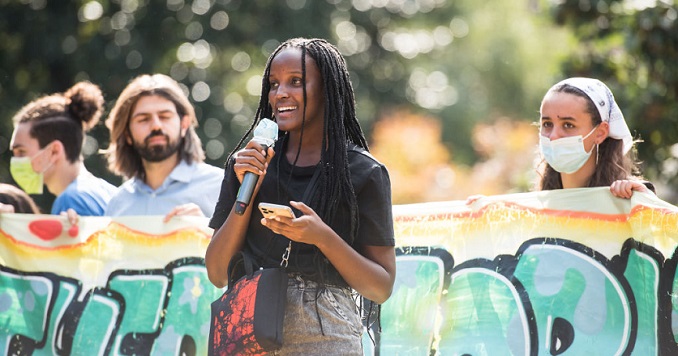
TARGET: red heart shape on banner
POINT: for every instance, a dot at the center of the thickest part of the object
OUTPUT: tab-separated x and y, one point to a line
46	229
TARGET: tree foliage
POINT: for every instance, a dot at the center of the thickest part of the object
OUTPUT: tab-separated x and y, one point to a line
461	61
633	47
215	48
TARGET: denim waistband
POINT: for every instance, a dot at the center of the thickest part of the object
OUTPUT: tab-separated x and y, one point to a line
301	281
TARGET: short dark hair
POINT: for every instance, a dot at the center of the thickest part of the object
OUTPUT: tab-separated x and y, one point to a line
64	117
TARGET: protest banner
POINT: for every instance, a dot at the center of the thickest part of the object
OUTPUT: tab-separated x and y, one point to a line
569	271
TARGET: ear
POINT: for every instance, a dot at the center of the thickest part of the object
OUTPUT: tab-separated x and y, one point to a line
185	124
56	148
602	132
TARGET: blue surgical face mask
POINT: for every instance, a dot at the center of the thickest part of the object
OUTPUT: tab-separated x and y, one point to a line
567	154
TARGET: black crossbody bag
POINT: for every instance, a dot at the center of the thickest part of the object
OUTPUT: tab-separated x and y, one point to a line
248	318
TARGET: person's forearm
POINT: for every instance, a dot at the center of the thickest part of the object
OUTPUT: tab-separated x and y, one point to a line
226	242
369	278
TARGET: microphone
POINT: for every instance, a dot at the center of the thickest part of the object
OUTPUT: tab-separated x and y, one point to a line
266	133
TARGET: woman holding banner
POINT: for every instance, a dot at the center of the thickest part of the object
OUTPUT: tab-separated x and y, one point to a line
584	140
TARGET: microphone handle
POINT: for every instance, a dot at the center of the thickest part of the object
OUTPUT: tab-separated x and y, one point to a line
245	192
249	182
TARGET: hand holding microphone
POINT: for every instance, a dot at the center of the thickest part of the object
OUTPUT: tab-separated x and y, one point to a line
266	133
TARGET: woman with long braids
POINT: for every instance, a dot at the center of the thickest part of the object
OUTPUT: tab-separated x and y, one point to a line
342	237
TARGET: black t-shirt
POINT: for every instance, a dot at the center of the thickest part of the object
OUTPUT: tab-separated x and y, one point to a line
372	187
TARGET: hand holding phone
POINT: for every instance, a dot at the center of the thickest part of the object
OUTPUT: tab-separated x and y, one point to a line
270	210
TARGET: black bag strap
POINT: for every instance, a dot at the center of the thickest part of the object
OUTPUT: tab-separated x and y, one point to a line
241	264
305	199
309	188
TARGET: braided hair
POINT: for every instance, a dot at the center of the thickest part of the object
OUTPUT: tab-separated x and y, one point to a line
341	127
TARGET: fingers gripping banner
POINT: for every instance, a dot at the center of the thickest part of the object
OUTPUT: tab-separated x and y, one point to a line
545	273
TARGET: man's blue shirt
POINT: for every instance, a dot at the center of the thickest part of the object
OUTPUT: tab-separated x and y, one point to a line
87	195
197	183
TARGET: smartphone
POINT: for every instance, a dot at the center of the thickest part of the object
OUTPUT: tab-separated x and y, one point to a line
270	211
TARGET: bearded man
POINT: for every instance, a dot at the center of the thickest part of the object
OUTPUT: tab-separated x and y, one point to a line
155	147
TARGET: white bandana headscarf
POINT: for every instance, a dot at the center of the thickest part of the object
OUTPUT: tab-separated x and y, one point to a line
609	111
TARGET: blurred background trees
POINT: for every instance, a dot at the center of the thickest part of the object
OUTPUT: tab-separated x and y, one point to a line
446	90
632	46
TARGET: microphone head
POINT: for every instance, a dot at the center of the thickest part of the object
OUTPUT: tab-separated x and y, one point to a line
266	132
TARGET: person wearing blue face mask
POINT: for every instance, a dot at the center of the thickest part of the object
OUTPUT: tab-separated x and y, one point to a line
47	150
584	140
